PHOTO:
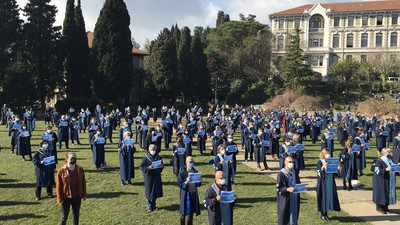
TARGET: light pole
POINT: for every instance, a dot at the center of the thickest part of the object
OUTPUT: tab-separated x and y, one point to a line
216	83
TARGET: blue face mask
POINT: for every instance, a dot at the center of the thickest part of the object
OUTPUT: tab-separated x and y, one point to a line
191	164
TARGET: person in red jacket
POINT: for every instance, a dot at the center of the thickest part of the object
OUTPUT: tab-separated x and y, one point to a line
71	188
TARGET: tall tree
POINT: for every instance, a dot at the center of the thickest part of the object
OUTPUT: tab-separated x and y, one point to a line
112	52
164	65
82	52
69	45
10	31
201	76
185	68
222	18
296	74
41	48
176	32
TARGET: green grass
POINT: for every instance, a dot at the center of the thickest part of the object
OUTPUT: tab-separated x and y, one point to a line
110	203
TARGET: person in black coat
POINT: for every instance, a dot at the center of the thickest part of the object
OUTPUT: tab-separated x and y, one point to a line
288	203
380	137
218	212
327	198
44	173
126	159
24	143
396	148
348	165
189	197
63	131
152	178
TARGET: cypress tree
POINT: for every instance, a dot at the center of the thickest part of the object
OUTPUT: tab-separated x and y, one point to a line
164	65
112	52
10	32
185	66
201	76
42	48
176	32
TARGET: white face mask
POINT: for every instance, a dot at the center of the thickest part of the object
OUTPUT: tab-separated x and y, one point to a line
45	146
327	156
222	152
290	165
221	181
230	139
287	143
49	131
260	133
98	132
152	152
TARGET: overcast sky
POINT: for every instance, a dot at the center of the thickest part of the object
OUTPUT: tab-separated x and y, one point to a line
149	17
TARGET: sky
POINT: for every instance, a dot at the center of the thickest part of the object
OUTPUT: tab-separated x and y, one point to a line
149	17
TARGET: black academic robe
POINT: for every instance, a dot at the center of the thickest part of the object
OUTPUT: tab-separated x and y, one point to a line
98	152
178	161
322	190
283	198
380	183
396	149
152	177
63	131
24	145
184	192
126	162
380	139
44	174
213	206
348	165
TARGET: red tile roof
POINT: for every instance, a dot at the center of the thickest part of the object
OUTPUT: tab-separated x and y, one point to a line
136	51
346	7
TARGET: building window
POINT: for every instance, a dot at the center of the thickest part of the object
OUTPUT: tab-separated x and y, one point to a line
336	21
314	60
393	39
365	20
280	23
379	20
280	42
296	23
335	41
315	43
335	58
316	22
378	40
349	41
395	17
349	57
363	58
321	60
364	40
350	21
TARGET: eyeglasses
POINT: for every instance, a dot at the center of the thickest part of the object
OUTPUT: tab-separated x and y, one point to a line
290	161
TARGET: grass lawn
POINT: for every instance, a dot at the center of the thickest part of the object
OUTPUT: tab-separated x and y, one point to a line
110	203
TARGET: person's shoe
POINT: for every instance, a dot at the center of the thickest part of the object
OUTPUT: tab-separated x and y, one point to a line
11	152
323	218
129	182
50	196
326	217
23	159
381	211
37	198
361	174
122	183
259	169
350	187
155	209
149	210
344	186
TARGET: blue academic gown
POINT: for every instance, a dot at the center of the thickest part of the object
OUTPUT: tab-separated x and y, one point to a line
288	204
327	198
98	152
126	162
44	174
383	186
152	177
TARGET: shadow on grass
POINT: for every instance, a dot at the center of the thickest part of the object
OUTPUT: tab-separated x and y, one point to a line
106	195
19	216
172	208
18	185
254	200
12	203
7	180
255	183
350	219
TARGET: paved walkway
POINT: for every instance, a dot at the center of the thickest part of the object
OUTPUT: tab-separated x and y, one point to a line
357	202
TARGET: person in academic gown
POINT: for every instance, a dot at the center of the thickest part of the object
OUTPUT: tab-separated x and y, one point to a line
327	142
348	165
159	135
284	152
63	131
124	128
380	137
189	197
218	213
52	143
14	132
188	146
98	150
249	133
274	137
226	166
234	161
178	160
74	131
92	128
288	203
259	150
201	139
396	148
44	174
342	134
327	197
383	183
47	115
4	114
24	144
126	160
152	178
360	156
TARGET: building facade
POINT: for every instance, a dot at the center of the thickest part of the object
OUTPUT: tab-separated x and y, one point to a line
336	31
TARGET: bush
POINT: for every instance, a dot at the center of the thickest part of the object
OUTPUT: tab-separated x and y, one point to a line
310	103
279	101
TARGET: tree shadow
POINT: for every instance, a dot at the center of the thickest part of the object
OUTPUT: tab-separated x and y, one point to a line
254	200
19	216
18	185
12	203
255	183
105	195
7	180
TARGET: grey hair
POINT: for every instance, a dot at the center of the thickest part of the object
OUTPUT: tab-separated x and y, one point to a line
153	146
385	150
